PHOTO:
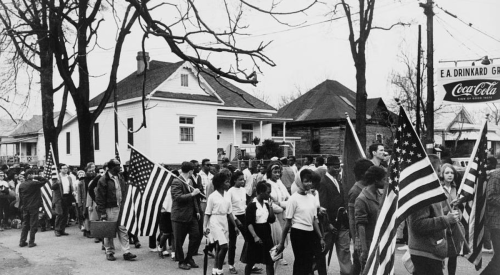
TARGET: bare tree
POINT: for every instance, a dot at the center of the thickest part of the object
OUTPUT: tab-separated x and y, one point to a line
261	95
285	99
365	12
26	27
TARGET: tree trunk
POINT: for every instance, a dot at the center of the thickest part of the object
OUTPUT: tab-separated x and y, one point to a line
50	132
361	96
85	130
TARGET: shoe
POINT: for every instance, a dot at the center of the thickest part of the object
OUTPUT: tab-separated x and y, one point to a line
32	245
184	266
110	257
489	251
403	248
210	254
129	256
232	270
137	245
165	253
283	262
173	257
23	244
57	233
256	270
64	234
192	263
97	240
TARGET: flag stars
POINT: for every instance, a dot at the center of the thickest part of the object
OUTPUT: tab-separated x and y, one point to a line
411	153
408	135
399	128
419	155
406	143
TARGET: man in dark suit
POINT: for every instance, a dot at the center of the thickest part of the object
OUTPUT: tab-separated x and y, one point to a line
185	216
331	197
30	200
196	182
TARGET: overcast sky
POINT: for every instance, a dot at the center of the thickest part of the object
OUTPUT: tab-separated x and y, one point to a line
309	53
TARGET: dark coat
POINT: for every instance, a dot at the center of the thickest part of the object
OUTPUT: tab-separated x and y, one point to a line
184	206
331	199
367	207
57	195
105	195
30	195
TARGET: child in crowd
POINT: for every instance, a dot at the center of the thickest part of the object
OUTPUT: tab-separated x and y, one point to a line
259	216
217	214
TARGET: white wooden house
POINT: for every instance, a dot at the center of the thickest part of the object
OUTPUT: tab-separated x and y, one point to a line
189	116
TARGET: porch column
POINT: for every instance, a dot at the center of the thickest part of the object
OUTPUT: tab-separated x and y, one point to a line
234	132
261	138
284	131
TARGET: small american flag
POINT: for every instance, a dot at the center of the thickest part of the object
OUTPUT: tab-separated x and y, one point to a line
474	186
413	184
49	172
145	194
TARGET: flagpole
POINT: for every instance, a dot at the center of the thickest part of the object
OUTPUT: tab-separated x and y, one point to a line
55	164
355	136
474	151
191	187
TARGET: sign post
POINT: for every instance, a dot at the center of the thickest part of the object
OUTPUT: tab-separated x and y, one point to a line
466	85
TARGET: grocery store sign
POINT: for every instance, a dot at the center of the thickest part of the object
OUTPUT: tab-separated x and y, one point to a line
475	84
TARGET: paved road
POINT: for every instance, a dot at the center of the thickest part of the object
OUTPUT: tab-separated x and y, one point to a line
75	254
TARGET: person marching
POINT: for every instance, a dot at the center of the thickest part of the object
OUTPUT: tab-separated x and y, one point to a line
215	224
237	195
259	217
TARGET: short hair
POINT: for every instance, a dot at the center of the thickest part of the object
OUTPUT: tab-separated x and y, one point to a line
374	147
272	166
186	166
62	164
204	161
262	186
218	180
284	161
235	177
193	161
306	174
29	172
226	172
292	157
360	168
374	174
89	165
443	167
320	161
316	179
104	166
112	163
309	158
492	160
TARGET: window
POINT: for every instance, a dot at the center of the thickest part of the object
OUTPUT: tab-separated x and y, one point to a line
184	80
246	133
68	143
186	128
96	136
379	137
130	135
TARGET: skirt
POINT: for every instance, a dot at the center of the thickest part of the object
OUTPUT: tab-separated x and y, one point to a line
257	253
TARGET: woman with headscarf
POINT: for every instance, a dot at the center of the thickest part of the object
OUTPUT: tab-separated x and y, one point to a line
279	196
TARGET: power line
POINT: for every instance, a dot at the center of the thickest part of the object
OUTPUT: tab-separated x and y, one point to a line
468	24
442	23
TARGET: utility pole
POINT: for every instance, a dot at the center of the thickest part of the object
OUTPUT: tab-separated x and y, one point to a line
418	80
429	120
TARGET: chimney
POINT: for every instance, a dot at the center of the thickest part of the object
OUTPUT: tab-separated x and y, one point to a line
140	62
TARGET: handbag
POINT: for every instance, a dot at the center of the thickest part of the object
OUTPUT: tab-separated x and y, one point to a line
103	229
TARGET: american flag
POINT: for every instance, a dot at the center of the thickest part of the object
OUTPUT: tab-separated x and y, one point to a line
49	172
413	184
145	194
474	186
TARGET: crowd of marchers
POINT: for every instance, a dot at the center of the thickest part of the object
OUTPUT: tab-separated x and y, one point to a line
278	206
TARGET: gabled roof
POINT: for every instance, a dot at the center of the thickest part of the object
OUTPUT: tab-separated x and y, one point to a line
159	71
329	101
7	126
32	126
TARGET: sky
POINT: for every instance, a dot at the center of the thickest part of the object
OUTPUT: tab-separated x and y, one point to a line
310	47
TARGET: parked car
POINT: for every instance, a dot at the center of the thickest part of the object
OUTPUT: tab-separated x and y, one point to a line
460	162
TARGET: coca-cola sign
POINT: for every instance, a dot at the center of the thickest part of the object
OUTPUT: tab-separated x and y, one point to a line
472	91
474	84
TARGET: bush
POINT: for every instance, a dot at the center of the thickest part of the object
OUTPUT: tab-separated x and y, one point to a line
268	149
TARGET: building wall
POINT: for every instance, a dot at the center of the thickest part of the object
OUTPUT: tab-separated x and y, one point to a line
331	138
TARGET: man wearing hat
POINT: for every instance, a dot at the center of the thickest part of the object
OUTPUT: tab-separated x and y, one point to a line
331	197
